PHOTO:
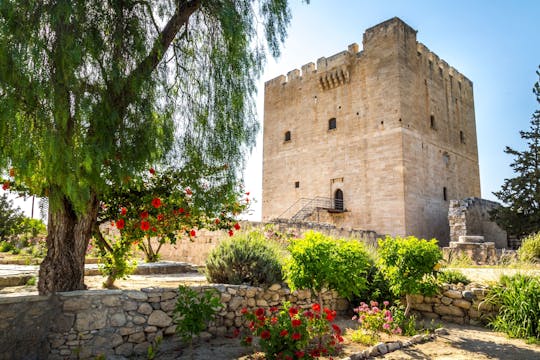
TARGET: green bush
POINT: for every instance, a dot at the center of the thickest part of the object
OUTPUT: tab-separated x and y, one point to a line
6	246
452	277
530	248
409	265
518	298
320	262
247	258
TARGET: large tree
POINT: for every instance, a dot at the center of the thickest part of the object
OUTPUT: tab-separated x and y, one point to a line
520	214
93	92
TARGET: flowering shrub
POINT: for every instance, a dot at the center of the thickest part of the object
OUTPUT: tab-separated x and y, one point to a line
373	320
290	333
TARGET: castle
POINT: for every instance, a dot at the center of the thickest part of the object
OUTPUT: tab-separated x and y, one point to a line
379	139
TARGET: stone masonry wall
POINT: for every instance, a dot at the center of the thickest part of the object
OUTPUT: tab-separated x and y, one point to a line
456	304
470	216
122	323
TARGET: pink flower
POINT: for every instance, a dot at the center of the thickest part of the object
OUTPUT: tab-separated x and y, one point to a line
386	326
386	303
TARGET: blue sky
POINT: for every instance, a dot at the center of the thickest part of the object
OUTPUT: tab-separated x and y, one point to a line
495	43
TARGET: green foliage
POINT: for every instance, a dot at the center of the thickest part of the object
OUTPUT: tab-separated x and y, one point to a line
246	258
10	218
163	205
93	92
290	333
6	246
407	264
518	297
194	310
377	288
452	277
530	248
35	227
521	195
116	259
406	323
32	281
320	262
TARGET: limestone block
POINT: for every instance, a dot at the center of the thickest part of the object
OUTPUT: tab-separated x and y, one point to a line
251	292
170	330
145	309
138	320
168	305
453	294
448	310
91	320
130	305
422	307
232	291
136	295
150	329
125	349
225	297
118	319
274	287
446	300
141	349
111	300
168	295
236	302
416	298
464	304
137	337
128	330
454	319
76	303
262	303
382	348
159	319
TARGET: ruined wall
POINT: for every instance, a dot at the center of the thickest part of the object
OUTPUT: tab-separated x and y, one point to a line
122	324
470	216
404	143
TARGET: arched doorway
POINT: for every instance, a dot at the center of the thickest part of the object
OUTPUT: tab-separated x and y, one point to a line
338	200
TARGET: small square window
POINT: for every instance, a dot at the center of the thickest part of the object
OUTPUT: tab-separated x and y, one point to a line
332	124
288	136
297	184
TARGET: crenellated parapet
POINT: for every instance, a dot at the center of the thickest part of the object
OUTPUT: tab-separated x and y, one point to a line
329	72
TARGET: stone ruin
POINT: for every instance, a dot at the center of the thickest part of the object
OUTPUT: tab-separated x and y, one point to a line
473	234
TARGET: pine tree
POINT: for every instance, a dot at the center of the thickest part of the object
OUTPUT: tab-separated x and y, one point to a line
94	92
520	214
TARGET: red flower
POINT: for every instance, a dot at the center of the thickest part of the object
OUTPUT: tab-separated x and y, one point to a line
156	202
5	186
336	328
231	233
259	312
244	311
273	309
152	171
340	339
296	336
308	314
236	332
247	193
120	224
154	229
123	211
248	339
217	221
300	354
330	317
144	215
274	320
296	322
284	333
145	225
192	233
188	191
237	226
316	307
160	217
293	311
265	335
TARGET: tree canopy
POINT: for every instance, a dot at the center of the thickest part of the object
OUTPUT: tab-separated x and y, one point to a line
520	214
94	92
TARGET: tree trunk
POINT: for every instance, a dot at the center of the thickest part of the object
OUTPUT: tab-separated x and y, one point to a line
67	241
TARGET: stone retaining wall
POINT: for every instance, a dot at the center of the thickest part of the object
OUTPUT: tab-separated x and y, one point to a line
456	304
122	323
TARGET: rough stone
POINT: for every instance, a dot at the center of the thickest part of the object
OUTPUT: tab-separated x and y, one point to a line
446	300
464	304
90	320
453	294
168	305
76	303
448	310
145	309
422	307
468	295
235	303
141	349
118	319
137	337
159	318
111	301
274	287
136	295
125	349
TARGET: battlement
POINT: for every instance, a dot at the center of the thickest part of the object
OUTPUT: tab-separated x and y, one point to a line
440	67
332	71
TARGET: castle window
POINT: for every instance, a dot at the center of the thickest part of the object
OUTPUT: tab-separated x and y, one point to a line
432	122
297	184
445	194
440	71
332	124
338	200
288	136
461	137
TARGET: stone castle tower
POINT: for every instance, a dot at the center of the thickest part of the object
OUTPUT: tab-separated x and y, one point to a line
379	139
